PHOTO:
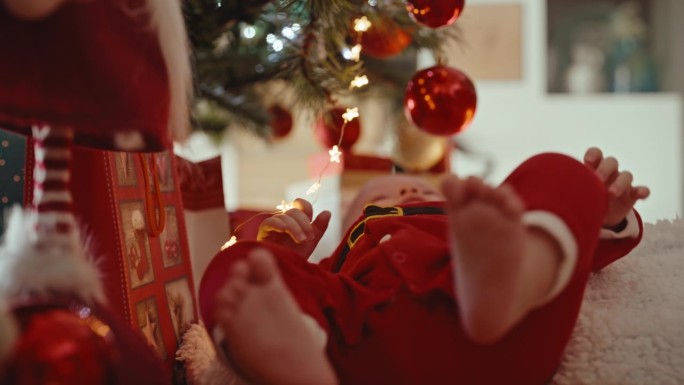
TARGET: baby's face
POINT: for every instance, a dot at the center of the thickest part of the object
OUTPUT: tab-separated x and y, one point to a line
397	190
392	190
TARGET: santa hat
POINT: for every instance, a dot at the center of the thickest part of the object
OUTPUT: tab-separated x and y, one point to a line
116	71
42	252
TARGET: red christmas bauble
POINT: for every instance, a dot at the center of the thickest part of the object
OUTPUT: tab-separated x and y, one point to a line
61	347
281	121
384	39
440	100
435	13
328	129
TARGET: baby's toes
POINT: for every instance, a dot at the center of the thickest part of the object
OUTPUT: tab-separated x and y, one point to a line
508	200
234	290
452	188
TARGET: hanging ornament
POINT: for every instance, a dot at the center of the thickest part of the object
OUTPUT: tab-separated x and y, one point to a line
440	100
384	38
415	150
281	121
328	129
435	13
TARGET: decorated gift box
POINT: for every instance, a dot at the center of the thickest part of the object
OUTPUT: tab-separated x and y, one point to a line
132	211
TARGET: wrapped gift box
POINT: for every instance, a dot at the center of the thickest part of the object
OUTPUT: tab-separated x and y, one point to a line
143	255
205	212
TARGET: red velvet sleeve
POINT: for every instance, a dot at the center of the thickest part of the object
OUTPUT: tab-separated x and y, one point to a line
610	250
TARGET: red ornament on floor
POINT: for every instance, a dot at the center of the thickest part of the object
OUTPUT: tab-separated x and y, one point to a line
435	13
281	121
329	128
440	100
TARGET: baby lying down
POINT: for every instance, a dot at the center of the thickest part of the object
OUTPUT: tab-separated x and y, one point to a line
472	284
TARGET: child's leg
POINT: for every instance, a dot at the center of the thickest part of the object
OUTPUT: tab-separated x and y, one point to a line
267	336
502	269
506	264
246	282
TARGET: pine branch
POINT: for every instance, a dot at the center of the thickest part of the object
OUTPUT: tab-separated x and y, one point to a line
216	110
240	44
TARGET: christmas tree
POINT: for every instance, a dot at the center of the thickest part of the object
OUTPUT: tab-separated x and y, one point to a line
323	50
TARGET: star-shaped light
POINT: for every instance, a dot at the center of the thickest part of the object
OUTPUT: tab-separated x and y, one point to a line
355	53
362	24
335	154
351	114
231	242
314	187
359	81
284	206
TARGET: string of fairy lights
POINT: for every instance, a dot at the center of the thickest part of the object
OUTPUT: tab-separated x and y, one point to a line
361	25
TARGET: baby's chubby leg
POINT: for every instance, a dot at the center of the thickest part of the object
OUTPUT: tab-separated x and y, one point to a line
502	268
268	339
32	9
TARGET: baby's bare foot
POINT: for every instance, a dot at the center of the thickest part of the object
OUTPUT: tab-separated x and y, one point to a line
267	337
488	243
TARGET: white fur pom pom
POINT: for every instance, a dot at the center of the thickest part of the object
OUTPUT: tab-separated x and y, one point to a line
38	264
167	18
202	364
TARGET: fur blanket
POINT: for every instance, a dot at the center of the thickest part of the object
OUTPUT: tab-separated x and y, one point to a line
630	330
631	326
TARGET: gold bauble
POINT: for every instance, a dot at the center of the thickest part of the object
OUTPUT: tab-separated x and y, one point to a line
415	150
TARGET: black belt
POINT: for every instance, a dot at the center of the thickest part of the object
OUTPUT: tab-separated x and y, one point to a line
372	212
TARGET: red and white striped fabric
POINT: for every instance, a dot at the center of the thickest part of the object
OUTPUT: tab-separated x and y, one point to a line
52	200
43	253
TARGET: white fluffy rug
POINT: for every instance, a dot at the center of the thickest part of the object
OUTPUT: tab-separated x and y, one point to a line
630	330
631	326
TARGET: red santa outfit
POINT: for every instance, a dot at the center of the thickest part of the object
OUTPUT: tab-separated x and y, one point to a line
386	297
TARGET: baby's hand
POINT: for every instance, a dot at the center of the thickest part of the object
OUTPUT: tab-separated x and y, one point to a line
622	195
294	229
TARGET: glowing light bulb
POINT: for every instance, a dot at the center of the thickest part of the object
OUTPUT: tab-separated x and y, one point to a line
362	24
355	53
350	114
277	45
289	32
314	187
359	81
231	242
335	154
284	206
249	32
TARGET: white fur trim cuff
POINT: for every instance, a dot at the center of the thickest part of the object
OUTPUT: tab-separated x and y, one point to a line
219	337
630	231
553	225
321	337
